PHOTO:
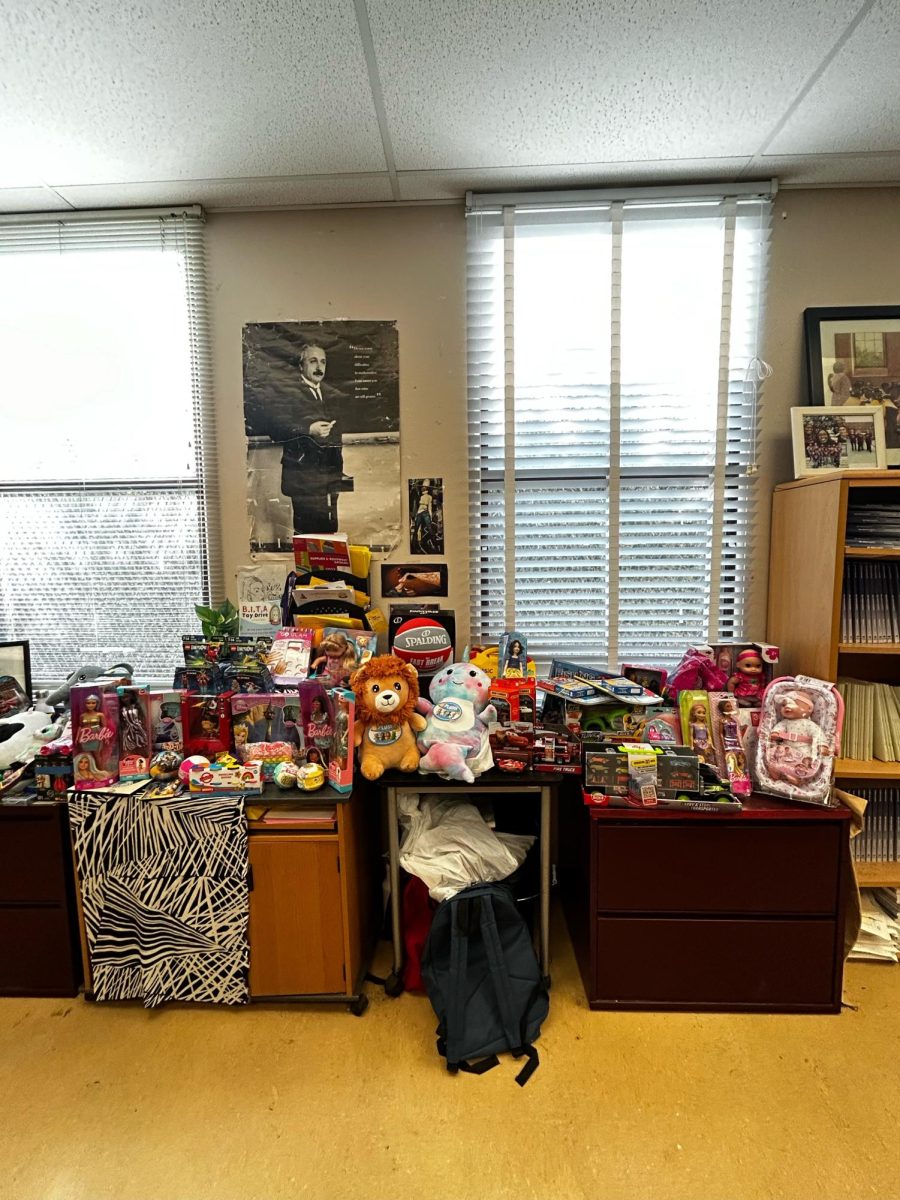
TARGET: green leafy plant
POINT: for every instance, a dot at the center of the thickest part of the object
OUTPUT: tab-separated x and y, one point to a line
221	622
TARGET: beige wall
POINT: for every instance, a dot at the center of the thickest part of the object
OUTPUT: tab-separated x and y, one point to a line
405	265
829	247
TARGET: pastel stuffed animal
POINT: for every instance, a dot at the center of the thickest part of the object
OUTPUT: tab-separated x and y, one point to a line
386	721
455	742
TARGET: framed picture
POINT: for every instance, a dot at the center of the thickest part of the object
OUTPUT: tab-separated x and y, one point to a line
414	579
853	359
15	660
847	439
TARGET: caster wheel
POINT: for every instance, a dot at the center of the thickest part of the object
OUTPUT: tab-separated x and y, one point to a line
546	982
452	1069
393	985
359	1006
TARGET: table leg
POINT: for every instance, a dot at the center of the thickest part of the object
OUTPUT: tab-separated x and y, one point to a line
394	862
545	880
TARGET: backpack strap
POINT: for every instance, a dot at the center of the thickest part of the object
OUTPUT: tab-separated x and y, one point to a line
516	1037
464	913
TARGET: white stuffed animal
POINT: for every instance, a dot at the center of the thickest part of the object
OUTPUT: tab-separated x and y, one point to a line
22	736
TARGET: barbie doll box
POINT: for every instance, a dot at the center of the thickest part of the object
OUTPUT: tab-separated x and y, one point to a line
95	734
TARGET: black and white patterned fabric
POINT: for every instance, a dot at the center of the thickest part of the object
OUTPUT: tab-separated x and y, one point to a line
164	891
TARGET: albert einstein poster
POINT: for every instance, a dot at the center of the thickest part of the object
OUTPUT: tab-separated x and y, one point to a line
322	414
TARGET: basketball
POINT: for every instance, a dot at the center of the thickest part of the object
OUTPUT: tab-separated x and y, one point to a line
423	643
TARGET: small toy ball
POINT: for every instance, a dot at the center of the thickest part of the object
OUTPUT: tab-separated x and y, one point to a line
285	774
165	764
195	760
310	776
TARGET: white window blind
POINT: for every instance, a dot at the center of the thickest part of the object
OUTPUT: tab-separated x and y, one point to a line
108	517
612	378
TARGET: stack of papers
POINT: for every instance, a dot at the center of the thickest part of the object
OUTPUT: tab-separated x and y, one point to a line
879	935
871	720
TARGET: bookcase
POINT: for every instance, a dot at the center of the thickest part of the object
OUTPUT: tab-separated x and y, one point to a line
807	556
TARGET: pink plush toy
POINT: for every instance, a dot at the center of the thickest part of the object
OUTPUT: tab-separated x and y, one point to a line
454	742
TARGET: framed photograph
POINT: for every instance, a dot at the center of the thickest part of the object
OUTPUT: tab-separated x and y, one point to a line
853	359
426	516
414	579
15	663
847	439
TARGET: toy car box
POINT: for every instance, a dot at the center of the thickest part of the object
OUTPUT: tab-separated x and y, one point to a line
556	748
512	738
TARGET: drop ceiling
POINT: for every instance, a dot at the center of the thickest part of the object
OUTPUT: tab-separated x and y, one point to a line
283	103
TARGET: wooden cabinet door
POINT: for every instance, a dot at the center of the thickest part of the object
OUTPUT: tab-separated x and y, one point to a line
296	928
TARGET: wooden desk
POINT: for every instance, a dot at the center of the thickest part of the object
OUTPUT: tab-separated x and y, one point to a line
38	929
533	783
315	899
696	911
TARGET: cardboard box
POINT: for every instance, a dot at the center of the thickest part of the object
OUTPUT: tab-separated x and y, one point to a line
216	780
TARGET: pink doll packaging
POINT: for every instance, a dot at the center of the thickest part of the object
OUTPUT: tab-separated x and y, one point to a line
729	730
95	735
799	738
696	727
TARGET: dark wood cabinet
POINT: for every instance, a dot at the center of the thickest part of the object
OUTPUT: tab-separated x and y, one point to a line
671	910
39	953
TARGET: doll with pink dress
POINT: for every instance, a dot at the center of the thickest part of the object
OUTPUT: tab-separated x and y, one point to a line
799	738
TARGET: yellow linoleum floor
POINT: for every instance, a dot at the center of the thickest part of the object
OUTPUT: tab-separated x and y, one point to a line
270	1102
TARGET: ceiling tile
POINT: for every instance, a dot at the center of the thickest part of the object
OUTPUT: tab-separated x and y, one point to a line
476	85
448	185
855	105
814	170
31	199
235	193
114	90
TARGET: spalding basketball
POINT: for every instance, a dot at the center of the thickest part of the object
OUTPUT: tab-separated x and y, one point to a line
424	644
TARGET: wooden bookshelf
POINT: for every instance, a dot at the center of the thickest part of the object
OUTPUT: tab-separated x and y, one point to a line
878	874
870	770
806	576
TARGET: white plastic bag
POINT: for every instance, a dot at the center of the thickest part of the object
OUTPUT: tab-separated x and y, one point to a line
449	845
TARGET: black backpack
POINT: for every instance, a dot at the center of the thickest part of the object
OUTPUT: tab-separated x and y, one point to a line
483	981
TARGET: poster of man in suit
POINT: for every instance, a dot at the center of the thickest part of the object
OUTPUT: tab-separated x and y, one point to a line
322	417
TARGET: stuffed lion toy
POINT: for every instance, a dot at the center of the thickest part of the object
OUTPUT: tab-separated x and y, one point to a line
386	721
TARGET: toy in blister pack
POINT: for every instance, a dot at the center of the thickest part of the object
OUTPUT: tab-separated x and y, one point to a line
165	721
512	737
696	727
728	729
267	729
799	738
206	720
135	743
95	734
340	761
651	678
512	652
289	657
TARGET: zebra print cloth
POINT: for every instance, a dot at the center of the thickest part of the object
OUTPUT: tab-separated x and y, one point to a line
164	892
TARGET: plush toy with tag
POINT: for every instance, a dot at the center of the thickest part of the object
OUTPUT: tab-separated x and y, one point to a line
386	721
455	742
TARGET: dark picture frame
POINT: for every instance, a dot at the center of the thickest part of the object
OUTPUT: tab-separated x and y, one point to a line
863	342
412	580
15	660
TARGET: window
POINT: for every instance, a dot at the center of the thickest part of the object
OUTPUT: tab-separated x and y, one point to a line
108	527
612	416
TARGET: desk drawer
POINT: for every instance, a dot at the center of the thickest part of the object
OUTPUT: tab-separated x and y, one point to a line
644	962
36	953
31	862
729	868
